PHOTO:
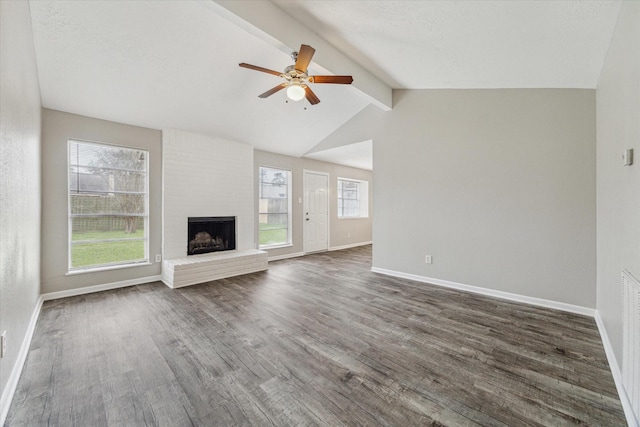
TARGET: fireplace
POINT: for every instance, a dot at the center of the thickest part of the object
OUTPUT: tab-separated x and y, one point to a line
211	234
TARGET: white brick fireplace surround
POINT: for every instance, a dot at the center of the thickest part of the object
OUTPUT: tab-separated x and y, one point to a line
206	177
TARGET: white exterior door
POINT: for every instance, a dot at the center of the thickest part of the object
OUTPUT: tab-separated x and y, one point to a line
316	211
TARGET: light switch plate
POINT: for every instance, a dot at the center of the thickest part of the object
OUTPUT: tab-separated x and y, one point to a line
3	344
627	157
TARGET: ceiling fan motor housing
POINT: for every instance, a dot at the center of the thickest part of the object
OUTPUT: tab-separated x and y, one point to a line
291	73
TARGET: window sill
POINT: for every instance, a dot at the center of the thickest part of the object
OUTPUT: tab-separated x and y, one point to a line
113	267
353	217
266	248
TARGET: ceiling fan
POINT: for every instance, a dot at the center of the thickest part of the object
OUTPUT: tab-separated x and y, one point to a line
297	79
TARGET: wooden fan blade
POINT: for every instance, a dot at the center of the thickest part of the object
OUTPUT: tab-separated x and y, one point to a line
304	57
341	80
311	97
273	90
264	70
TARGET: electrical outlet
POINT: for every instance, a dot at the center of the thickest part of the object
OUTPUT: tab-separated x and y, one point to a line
158	257
427	259
3	344
348	234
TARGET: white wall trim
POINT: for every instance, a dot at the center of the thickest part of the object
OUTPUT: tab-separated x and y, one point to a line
351	245
286	256
99	288
615	371
490	292
10	389
334	248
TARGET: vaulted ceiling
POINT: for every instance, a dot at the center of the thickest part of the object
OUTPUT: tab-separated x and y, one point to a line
174	64
468	44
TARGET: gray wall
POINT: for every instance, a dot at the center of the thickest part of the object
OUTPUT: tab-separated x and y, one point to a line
618	187
497	185
57	128
19	181
359	229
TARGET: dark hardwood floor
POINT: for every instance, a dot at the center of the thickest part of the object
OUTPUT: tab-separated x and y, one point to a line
318	340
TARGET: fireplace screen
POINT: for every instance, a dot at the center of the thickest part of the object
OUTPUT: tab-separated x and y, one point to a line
211	234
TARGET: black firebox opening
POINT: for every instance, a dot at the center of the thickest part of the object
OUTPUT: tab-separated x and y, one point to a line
211	234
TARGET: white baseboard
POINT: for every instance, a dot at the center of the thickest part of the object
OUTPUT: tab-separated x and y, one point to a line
490	292
99	288
351	245
333	248
9	390
286	256
617	374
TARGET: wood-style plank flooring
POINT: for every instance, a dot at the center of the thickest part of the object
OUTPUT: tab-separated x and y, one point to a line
318	340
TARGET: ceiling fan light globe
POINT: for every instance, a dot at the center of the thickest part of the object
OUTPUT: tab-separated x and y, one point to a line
295	92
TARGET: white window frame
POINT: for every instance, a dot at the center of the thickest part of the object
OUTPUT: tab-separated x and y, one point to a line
363	199
289	212
116	265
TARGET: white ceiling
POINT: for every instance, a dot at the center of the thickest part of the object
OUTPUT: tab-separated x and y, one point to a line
358	155
174	64
468	44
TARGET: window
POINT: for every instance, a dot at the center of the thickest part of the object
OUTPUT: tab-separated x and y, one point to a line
274	211
353	198
108	205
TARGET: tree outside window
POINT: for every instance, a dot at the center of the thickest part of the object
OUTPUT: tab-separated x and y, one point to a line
107	205
274	207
